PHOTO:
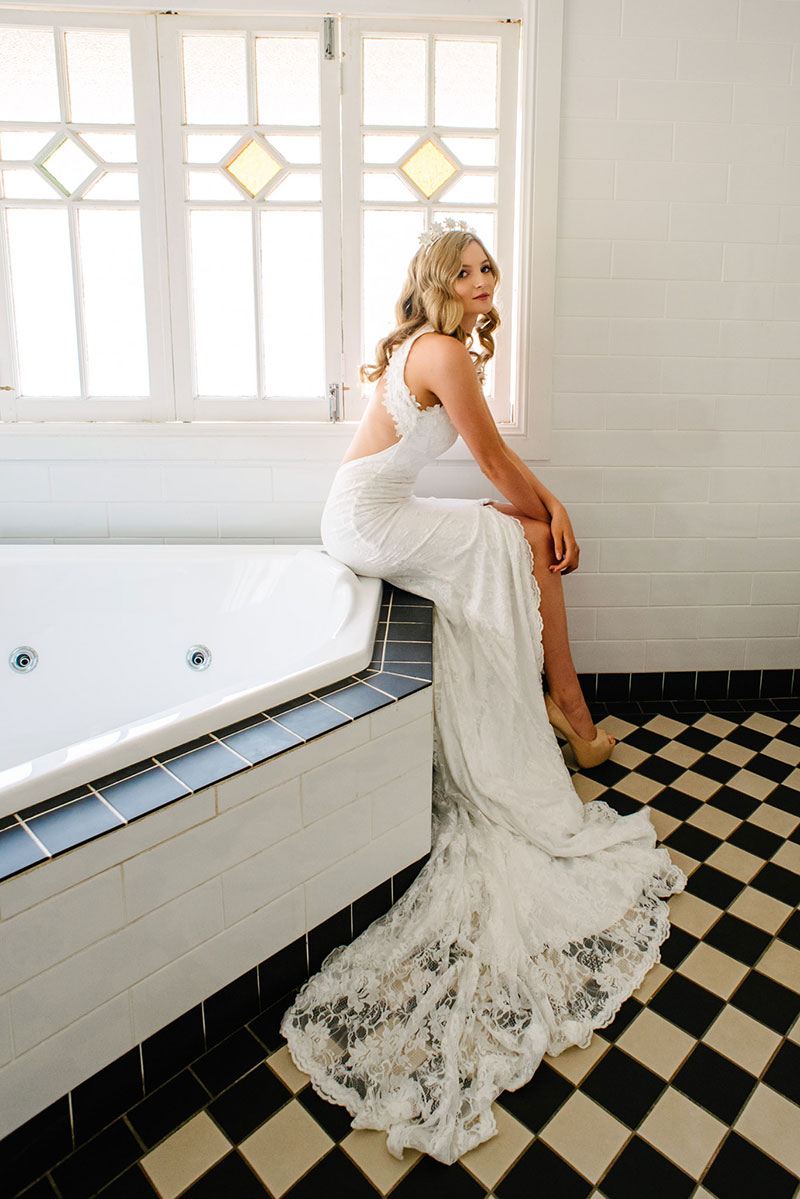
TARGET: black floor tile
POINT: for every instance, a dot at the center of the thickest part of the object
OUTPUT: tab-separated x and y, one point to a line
778	882
754	839
740	1170
660	769
626	1014
334	1118
429	1179
767	1001
695	842
249	1102
715	768
624	804
715	1082
787	799
335	1177
686	1004
36	1146
228	1061
678	945
646	740
623	1086
133	1184
697	739
539	1099
97	1162
641	1170
230	1178
734	803
749	738
541	1170
231	1007
738	938
783	1073
706	882
166	1109
675	803
109	1093
769	768
43	1189
168	1051
790	931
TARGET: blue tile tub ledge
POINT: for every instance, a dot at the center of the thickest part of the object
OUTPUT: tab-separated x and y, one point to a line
401	665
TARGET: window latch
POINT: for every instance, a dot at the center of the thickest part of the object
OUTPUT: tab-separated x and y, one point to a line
333	401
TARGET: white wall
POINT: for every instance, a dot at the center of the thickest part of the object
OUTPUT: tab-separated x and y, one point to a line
676	412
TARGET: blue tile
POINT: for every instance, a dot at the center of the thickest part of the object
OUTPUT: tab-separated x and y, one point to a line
416	670
206	765
74	823
55	801
18	851
407	651
395	684
263	741
358	700
309	720
144	792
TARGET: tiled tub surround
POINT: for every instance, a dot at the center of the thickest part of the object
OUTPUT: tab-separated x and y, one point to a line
118	629
238	857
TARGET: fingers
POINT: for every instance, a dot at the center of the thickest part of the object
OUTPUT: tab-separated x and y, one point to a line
569	559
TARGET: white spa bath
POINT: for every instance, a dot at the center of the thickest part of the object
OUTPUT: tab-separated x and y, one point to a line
112	626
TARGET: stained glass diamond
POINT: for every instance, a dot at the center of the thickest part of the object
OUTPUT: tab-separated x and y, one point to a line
67	165
428	168
253	167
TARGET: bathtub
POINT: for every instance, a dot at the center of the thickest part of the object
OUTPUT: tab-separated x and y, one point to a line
114	653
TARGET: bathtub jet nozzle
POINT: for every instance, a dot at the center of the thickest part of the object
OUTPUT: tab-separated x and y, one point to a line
198	657
23	659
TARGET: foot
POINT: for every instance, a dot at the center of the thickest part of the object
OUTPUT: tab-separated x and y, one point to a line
575	709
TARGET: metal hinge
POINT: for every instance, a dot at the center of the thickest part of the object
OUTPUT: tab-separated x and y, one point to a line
328	37
333	401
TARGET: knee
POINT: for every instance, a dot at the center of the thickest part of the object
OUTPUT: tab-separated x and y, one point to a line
538	536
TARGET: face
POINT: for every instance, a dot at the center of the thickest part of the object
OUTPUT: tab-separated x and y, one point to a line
475	283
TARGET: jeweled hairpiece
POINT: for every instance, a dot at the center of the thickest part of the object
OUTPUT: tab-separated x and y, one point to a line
437	230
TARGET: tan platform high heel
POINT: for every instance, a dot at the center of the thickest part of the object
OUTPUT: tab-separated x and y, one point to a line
587	753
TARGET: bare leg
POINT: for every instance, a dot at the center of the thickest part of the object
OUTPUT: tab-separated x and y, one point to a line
559	668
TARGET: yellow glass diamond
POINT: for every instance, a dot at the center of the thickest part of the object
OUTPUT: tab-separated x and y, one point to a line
253	167
428	168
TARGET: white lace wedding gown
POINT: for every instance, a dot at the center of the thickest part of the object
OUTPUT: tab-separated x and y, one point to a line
536	915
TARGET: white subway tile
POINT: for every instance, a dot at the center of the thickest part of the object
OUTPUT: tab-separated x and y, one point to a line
784	377
781	449
768	263
647	336
780	520
674	100
583	258
296	482
761	620
615	140
59	927
695	589
591	17
631	484
731	61
769	21
640	412
787	302
774	184
578	411
764	413
777	588
384	720
580	335
596	373
715	376
612	520
601	590
284	519
6	1050
790	224
681	18
586	179
758	339
770	653
759	145
571	484
646	624
622	624
33	518
24	481
610	297
98	481
656	448
707	520
401	798
620	58
627	220
214	481
582	624
671	181
666	260
593	657
162	519
696	412
738	301
651	555
695	655
768	486
724	222
756	554
586	97
765	104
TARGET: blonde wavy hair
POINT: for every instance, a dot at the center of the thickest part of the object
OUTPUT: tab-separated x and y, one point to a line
428	298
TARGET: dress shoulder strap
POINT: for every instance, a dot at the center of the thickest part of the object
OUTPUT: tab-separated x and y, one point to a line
398	400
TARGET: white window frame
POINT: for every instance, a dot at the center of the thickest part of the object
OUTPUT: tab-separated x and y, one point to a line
534	240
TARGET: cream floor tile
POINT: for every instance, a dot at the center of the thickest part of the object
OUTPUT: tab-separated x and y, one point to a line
742	1039
754	785
367	1148
663	823
688	865
715	821
491	1160
680	754
638	786
729	751
771	1122
617	727
781	962
762	910
585	1135
588	789
764	724
666	726
793	780
713	970
788	856
281	1062
628	755
655	977
736	862
775	820
693	914
285	1147
683	1132
575	1063
182	1158
715	725
696	785
783	751
656	1043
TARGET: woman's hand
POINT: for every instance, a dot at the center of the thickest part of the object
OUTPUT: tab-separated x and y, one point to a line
566	547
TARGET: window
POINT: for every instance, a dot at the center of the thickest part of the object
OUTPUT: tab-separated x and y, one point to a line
207	218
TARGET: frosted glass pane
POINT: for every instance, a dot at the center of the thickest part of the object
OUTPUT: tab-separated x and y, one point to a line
292	304
298	186
386	147
473	151
465	84
119	185
210	185
208	147
287	80
390	242
23	183
68	165
43	303
113	302
473	189
384	187
23	145
28	85
296	149
99	76
112	147
214	79
221	264
394	81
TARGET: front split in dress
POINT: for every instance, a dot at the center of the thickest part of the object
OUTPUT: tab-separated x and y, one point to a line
535	916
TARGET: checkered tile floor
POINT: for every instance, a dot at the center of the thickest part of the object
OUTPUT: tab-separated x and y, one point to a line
694	1090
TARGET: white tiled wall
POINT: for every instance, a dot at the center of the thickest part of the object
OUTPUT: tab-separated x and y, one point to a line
676	411
104	946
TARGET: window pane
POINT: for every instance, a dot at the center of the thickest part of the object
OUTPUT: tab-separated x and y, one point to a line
465	83
472	189
68	165
298	185
222	297
287	80
473	151
210	185
119	185
99	77
215	79
24	145
44	308
482	222
297	149
390	242
394	81
382	147
383	187
292	303
112	147
23	183
28	86
113	302
208	147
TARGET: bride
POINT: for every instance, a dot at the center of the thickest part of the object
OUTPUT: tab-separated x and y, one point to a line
535	916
